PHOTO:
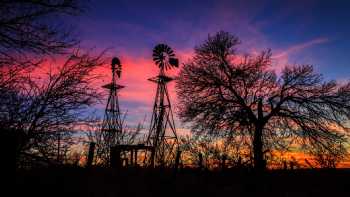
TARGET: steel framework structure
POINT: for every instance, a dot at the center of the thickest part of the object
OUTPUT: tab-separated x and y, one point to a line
162	135
112	127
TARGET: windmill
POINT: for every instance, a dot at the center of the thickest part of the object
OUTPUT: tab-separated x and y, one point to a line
111	129
162	135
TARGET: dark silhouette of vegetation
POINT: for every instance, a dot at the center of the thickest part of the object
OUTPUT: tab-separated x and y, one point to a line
243	115
220	91
28	30
38	109
209	150
43	111
99	182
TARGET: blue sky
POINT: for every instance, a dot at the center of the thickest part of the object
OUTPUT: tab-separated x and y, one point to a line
298	32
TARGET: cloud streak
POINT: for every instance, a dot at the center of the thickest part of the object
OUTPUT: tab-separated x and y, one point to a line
300	47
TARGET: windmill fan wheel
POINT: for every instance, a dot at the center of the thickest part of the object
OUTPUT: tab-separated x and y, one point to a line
164	56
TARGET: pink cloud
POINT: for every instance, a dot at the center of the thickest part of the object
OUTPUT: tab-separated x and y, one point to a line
282	57
301	46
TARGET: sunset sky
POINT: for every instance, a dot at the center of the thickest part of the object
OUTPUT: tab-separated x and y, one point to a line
298	32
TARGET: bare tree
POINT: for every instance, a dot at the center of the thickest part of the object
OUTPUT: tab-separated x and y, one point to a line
30	31
219	90
38	108
33	27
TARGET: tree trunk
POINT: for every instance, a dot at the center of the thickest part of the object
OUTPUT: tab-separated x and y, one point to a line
259	162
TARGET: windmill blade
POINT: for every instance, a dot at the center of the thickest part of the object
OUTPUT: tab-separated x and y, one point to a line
164	56
116	66
116	61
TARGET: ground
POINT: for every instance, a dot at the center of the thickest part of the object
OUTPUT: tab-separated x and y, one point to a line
73	181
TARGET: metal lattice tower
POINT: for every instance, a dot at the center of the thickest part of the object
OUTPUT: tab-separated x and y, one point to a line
111	129
162	135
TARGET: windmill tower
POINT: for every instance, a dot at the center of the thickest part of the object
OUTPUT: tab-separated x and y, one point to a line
162	133
111	129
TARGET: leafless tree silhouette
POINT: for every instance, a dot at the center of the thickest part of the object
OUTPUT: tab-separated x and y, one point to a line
219	90
30	32
39	110
33	27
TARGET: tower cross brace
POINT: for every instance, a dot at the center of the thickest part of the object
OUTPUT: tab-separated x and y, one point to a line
162	134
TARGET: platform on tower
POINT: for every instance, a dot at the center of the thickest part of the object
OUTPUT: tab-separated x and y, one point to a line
161	78
113	86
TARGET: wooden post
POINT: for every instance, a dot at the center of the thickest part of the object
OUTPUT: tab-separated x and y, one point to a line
131	157
58	147
91	154
291	164
177	159
239	163
135	162
200	161
177	162
115	157
223	162
112	152
125	162
152	157
118	157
